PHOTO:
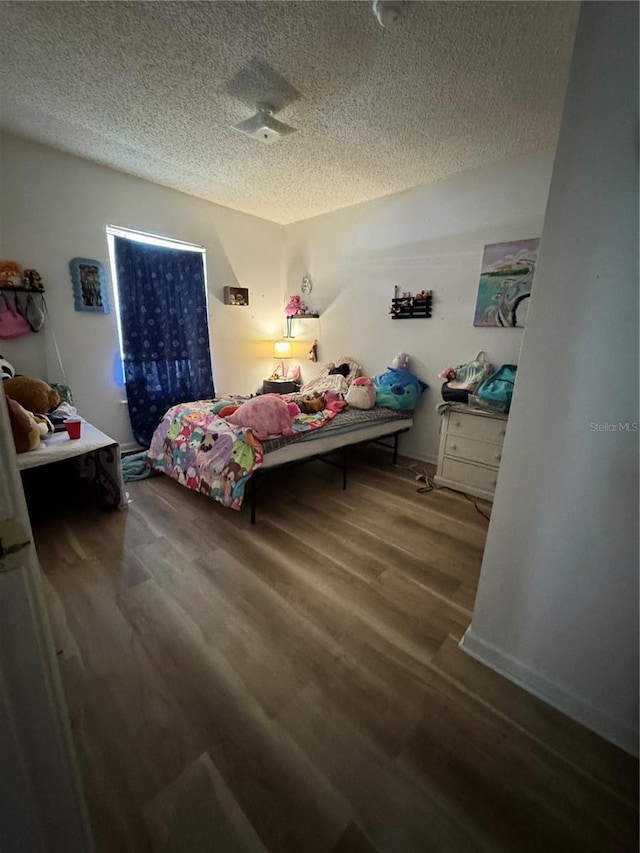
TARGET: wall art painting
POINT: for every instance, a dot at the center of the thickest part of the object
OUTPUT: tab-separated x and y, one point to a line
89	285
505	283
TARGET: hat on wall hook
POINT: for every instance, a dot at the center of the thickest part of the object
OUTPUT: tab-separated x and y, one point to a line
389	12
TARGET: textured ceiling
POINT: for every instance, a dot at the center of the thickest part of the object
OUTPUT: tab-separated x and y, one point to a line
152	88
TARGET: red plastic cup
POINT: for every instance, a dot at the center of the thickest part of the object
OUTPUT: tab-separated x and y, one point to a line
73	427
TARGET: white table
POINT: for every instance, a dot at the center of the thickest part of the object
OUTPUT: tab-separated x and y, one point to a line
97	458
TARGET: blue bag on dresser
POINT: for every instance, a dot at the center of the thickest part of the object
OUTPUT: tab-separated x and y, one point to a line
497	390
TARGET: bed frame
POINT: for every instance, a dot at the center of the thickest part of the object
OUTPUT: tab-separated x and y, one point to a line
315	452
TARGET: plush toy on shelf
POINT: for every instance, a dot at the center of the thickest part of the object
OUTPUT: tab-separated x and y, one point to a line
10	273
294	306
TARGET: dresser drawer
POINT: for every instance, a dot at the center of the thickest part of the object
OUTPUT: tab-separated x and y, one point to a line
483	452
467	474
479	427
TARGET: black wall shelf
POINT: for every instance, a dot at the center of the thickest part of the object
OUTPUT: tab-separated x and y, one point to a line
7	288
410	307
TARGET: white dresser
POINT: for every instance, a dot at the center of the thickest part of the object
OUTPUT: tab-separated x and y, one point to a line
470	450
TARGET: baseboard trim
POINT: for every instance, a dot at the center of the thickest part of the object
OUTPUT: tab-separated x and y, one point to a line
550	692
130	447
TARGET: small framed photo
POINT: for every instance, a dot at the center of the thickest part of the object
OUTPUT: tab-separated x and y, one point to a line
236	296
89	285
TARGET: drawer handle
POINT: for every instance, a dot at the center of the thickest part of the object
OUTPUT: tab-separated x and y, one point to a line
454	446
498	456
456	423
494	482
503	432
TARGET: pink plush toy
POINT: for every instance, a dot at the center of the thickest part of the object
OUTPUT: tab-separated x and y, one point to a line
361	394
293	306
268	416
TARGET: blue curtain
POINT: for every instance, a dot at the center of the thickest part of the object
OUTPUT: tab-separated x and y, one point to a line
165	337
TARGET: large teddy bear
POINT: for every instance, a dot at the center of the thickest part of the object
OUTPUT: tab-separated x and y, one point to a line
268	416
35	395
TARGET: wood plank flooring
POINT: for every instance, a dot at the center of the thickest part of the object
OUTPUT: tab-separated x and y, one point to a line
297	686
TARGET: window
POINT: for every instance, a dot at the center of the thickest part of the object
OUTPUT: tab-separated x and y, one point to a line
161	303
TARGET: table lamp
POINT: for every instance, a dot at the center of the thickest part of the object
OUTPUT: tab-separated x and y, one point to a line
282	350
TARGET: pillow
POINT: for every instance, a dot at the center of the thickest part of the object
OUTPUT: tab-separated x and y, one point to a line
354	368
398	388
324	383
336	382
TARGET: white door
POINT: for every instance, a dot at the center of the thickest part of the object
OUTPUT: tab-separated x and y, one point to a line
41	803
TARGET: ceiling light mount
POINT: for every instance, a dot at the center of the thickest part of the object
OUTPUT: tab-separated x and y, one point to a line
263	126
389	12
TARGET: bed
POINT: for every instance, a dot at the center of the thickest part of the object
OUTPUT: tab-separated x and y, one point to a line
206	453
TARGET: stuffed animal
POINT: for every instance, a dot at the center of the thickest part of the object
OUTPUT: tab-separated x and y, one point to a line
401	361
293	306
293	373
25	430
312	404
35	395
31	279
225	411
361	394
268	415
7	370
398	389
10	273
221	404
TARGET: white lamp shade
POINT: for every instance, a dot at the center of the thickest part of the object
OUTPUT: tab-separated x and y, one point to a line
282	349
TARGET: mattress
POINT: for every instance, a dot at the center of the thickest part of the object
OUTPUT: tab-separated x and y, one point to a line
351	426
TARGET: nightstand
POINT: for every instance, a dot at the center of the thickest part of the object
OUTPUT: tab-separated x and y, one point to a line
279	386
470	450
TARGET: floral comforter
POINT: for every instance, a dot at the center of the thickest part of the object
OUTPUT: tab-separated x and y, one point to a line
205	453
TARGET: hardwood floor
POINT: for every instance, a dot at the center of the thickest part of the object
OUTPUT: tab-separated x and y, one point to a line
297	686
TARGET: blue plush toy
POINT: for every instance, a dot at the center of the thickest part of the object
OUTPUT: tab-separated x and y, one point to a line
398	388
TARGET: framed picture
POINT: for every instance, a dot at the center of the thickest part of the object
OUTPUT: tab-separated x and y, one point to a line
505	283
236	296
89	285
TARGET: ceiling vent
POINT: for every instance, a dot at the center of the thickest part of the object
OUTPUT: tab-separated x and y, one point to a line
263	126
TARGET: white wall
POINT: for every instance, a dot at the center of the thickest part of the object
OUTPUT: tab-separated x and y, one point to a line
56	207
557	607
432	238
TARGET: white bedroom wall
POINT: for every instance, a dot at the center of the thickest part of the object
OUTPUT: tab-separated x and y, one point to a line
56	207
429	237
557	605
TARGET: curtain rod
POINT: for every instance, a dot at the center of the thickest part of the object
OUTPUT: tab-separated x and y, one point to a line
131	233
